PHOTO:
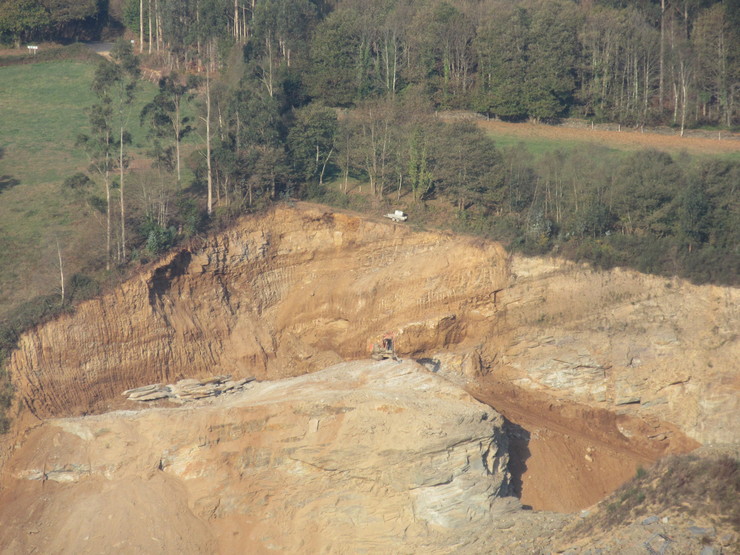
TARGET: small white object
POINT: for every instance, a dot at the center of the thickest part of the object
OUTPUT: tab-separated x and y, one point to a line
397	216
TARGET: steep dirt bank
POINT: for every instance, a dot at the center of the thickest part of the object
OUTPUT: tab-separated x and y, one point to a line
643	360
285	293
566	456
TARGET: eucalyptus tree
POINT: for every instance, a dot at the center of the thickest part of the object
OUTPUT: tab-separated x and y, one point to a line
123	89
717	66
101	143
282	29
164	114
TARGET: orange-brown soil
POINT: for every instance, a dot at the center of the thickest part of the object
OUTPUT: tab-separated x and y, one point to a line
598	373
566	456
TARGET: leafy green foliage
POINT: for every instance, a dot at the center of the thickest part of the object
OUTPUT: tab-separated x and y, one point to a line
20	18
158	238
59	19
466	165
311	140
333	77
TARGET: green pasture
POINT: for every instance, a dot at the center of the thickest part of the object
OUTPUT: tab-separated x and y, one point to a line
43	108
536	146
539	146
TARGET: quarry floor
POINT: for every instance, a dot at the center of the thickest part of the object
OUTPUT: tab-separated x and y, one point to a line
566	457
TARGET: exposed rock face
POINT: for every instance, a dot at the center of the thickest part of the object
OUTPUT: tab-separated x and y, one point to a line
641	345
298	289
364	456
288	292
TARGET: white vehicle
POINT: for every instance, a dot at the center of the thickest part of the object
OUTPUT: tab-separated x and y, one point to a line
397	216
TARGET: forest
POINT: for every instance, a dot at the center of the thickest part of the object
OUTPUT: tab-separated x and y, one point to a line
307	99
638	63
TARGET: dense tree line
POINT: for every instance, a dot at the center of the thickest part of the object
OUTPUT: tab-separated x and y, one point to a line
644	62
270	126
23	20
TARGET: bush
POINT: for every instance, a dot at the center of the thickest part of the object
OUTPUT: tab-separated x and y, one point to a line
189	216
158	238
82	287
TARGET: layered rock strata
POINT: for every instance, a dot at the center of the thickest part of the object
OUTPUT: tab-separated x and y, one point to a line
648	347
298	289
361	457
278	295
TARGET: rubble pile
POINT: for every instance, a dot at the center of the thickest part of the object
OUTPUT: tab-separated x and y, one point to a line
188	389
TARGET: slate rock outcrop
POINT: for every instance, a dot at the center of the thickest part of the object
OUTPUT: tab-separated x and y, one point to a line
364	456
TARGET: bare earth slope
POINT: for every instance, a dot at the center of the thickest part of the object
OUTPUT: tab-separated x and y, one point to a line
598	372
279	295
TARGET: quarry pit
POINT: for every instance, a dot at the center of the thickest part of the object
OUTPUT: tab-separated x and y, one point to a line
595	373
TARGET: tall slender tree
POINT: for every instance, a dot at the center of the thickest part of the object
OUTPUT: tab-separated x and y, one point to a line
124	90
100	144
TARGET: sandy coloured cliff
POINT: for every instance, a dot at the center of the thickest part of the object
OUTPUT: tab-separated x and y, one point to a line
598	373
299	289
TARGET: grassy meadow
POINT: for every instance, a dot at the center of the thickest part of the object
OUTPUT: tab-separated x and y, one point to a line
541	139
44	108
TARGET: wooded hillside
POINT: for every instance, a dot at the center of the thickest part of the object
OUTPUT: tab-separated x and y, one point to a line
644	62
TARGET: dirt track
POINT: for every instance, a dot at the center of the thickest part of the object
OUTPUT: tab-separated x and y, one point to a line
629	139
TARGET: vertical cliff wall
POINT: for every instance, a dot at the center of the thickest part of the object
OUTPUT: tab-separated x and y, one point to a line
298	289
280	294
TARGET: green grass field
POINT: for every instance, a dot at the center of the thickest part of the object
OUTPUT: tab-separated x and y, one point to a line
44	108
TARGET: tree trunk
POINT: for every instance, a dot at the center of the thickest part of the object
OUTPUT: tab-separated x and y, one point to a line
177	126
208	143
61	270
106	179
661	79
323	167
236	20
123	206
141	26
